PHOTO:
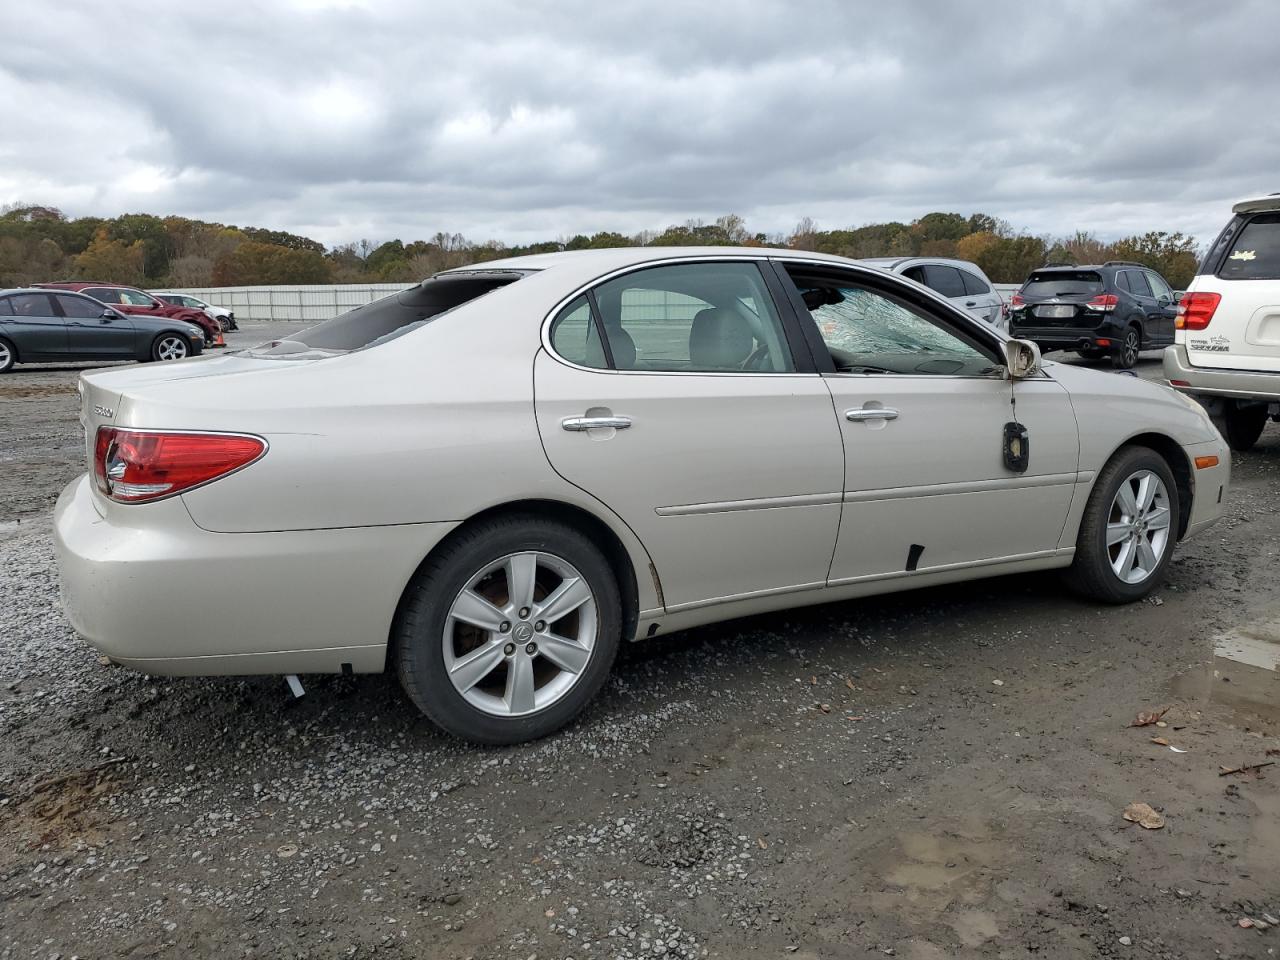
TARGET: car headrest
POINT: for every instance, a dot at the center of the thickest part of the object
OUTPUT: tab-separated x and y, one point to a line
620	342
719	339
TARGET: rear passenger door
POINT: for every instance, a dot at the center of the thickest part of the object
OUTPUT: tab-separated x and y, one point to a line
679	396
980	299
34	326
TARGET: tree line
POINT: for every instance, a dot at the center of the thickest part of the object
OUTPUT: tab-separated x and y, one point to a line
39	243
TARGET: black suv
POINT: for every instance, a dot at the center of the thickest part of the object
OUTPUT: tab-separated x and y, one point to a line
1115	309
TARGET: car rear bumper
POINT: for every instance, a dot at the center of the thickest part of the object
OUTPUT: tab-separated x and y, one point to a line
167	597
1066	338
1211	382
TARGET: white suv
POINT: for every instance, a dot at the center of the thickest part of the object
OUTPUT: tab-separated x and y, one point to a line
1226	350
962	282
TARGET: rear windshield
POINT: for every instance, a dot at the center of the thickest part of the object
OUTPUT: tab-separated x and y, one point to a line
391	317
1062	283
1255	254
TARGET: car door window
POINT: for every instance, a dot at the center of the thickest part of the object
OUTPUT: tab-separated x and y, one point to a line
914	273
103	294
1122	280
974	286
945	280
1138	283
694	318
137	298
78	307
5	309
31	305
1158	287
870	332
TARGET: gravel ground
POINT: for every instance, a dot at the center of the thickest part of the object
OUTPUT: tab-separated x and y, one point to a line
927	775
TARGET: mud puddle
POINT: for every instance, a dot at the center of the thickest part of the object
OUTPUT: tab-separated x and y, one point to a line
1243	675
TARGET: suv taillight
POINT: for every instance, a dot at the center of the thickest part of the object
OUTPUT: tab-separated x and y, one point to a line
1103	302
1016	301
135	466
1196	310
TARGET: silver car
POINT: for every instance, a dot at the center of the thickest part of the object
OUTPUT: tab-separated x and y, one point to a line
491	480
961	282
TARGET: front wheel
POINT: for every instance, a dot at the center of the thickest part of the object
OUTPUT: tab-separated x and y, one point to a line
509	631
1241	426
1129	529
1126	356
170	346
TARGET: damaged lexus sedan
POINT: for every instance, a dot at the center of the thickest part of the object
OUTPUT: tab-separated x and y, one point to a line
490	481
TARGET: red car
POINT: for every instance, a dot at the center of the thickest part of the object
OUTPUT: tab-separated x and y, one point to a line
132	300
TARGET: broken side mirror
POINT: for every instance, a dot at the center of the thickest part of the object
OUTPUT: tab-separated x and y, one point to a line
1021	359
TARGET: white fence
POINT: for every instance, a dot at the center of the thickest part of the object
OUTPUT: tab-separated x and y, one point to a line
317	302
303	302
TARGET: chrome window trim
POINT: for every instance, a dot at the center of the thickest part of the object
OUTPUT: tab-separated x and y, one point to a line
549	319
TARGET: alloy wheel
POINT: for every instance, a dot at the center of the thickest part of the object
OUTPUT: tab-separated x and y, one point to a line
171	348
1138	527
1130	348
520	634
6	357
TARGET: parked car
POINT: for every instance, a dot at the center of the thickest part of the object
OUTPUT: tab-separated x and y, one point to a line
1228	339
1116	309
226	318
135	302
45	326
961	282
490	481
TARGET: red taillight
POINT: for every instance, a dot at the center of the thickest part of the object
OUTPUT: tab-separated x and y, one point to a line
1196	310
1103	302
1017	300
134	466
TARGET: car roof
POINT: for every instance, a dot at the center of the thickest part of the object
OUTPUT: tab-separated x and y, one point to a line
1257	204
81	284
611	258
892	263
41	288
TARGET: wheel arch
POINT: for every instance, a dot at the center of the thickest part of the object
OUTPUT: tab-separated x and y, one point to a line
580	519
1172	453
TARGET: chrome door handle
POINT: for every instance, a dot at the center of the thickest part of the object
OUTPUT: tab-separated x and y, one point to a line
579	424
871	413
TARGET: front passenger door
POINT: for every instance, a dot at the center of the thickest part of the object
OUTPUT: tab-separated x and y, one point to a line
1166	309
94	331
922	405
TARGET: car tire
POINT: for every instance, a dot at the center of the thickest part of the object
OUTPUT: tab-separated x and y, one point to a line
1126	355
8	355
1241	426
467	678
1100	569
170	346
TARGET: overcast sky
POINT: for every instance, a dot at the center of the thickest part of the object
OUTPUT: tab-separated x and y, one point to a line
343	120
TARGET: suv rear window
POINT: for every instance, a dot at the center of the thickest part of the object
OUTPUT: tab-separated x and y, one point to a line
392	316
1062	283
1255	255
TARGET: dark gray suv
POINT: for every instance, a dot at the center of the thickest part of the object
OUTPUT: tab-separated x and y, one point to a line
1114	309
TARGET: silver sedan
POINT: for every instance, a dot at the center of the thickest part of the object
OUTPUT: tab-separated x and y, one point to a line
490	481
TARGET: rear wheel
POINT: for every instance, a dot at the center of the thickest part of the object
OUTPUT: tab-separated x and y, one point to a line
1126	355
1128	531
1240	425
8	355
509	631
170	346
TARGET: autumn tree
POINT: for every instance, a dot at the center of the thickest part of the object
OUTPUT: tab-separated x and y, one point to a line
112	261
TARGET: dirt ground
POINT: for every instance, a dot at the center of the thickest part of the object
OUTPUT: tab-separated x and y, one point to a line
928	775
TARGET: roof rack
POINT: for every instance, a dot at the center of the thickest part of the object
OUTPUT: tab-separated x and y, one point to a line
1060	263
1123	263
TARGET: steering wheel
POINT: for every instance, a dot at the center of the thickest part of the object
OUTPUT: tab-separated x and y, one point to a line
757	359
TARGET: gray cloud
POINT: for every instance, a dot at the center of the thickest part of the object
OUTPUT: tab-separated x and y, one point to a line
522	121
